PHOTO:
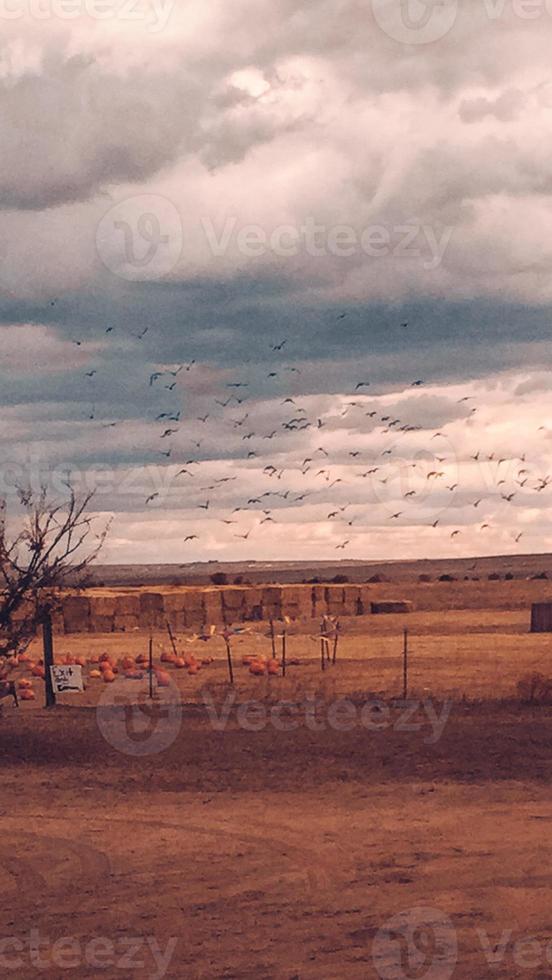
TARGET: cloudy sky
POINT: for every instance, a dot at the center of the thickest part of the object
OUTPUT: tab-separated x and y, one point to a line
267	262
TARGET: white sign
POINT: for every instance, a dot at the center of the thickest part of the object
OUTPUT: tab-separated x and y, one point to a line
66	680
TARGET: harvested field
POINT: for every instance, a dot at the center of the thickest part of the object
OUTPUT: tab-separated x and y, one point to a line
244	849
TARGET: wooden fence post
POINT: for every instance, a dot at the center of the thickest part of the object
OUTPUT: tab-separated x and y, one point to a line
405	664
48	647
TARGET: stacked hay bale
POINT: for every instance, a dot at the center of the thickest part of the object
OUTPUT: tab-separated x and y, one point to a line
364	600
102	613
541	617
234	605
335	600
319	605
272	602
76	614
253	610
127	613
152	613
392	606
212	606
174	610
193	608
296	601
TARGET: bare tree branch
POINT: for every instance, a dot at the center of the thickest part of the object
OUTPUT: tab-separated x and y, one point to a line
48	554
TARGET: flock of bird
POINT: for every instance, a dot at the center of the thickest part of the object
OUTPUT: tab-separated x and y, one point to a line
292	477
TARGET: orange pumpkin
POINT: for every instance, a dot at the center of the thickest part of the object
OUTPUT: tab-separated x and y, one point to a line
24	683
27	694
108	676
95	673
38	671
163	679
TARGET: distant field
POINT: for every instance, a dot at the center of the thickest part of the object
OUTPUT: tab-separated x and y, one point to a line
199	573
471	652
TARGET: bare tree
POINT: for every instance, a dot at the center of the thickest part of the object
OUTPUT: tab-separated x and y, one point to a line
52	550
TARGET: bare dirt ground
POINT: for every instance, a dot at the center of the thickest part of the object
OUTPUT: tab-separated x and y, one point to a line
242	853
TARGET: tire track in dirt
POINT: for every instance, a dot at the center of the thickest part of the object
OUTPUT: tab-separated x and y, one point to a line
79	861
313	870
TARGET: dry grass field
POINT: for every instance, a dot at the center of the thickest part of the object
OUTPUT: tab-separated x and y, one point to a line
255	848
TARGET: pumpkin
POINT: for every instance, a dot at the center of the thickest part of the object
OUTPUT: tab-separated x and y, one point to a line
179	663
27	694
163	679
108	676
95	673
193	669
24	683
38	671
257	668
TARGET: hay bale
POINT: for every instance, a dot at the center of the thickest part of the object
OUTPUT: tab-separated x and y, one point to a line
58	626
127	605
192	598
335	600
234	605
253	610
297	601
102	624
103	605
212	606
152	614
76	614
272	602
541	617
319	605
125	624
392	606
352	601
